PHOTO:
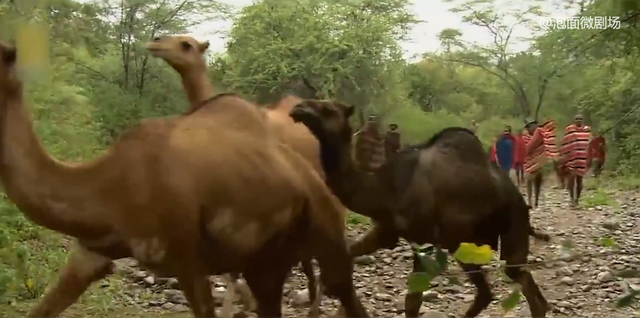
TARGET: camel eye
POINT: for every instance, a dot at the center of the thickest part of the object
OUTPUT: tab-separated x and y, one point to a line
186	46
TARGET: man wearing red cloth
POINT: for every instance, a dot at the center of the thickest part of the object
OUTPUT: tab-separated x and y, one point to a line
519	155
575	155
493	158
540	148
597	154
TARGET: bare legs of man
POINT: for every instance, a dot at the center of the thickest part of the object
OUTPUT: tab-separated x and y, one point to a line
534	184
519	174
575	188
596	167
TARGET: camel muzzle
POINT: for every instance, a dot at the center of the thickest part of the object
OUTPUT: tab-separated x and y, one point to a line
300	114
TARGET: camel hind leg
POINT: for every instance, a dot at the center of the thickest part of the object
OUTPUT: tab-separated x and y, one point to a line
312	284
82	269
483	290
193	277
267	285
336	268
537	303
514	250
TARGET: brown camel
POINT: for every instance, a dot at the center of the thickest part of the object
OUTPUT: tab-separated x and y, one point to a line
186	55
442	192
175	193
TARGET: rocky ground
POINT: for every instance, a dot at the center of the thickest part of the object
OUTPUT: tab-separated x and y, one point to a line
577	281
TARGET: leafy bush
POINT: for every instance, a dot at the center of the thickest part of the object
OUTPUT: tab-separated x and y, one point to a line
30	256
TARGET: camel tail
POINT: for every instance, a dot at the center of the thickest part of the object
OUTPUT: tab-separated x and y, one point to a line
539	235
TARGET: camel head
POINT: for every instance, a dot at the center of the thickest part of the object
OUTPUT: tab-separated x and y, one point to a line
9	81
329	122
181	52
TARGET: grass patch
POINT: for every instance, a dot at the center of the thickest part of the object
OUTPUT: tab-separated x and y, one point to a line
30	260
628	183
598	197
593	183
356	219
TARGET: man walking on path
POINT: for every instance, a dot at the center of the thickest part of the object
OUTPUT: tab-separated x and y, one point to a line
597	154
369	145
504	150
392	142
575	144
492	153
540	147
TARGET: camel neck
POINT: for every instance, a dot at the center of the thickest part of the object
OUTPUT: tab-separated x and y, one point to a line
197	87
359	190
33	180
21	153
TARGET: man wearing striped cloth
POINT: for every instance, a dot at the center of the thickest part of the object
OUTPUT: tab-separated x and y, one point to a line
575	146
369	145
597	154
540	149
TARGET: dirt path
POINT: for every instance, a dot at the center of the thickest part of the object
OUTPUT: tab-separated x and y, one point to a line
579	284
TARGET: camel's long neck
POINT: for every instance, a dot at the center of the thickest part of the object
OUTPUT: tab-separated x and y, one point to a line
34	181
359	191
197	87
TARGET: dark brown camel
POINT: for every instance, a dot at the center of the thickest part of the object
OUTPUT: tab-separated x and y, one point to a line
442	192
192	196
186	56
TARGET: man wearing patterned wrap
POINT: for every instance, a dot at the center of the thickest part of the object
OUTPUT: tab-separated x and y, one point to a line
540	148
369	145
597	154
575	146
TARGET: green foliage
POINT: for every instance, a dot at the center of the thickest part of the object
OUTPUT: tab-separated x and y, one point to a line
29	255
607	242
434	262
419	282
357	219
598	197
275	47
512	300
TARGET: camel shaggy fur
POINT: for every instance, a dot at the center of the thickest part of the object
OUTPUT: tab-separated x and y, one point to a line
442	192
186	56
175	193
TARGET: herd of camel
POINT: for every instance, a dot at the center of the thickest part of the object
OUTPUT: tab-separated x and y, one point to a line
231	188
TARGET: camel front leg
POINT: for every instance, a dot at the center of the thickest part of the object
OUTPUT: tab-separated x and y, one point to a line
376	238
83	268
227	303
194	283
246	297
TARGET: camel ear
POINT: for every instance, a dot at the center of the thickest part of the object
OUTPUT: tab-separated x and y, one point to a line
9	54
348	112
203	46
